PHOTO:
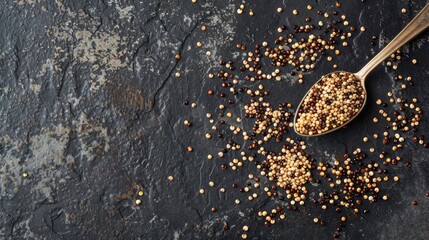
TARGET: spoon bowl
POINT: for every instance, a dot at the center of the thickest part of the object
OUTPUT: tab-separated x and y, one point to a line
358	77
414	28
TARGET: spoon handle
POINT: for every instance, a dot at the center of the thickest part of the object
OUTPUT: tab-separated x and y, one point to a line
414	28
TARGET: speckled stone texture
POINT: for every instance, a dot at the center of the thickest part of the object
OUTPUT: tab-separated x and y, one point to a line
91	109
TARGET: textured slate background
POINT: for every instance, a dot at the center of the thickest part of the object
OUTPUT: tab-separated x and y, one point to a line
90	108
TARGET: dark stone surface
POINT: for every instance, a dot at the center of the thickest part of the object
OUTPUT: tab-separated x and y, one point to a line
91	109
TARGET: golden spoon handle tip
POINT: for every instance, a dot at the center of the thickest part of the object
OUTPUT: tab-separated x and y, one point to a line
413	29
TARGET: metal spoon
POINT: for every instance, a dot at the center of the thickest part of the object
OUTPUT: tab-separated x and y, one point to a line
414	28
